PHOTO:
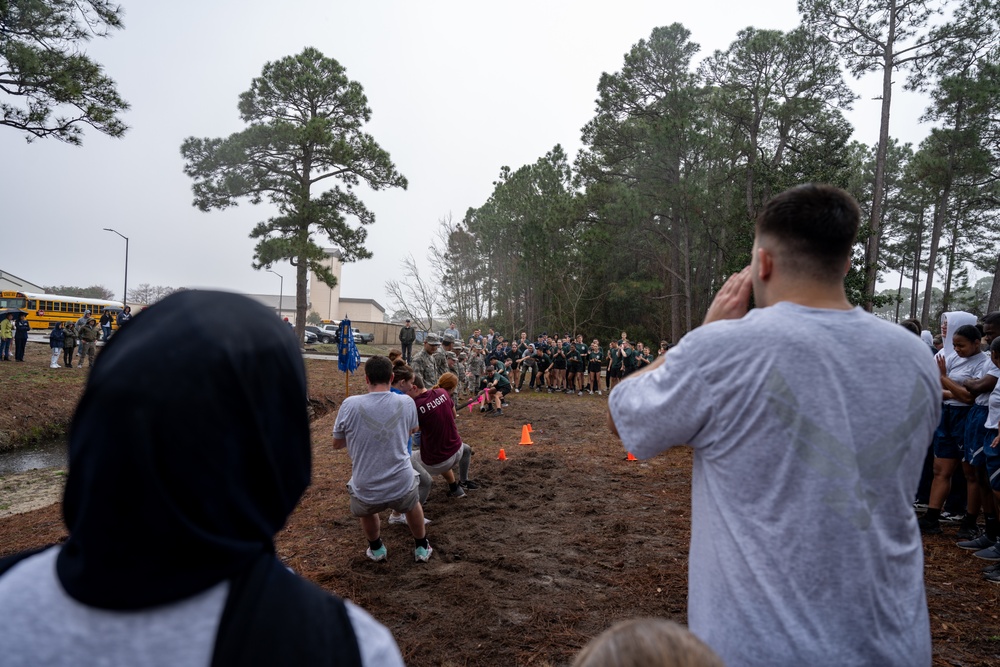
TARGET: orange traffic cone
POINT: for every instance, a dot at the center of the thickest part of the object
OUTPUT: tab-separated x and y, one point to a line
526	435
530	430
502	456
631	457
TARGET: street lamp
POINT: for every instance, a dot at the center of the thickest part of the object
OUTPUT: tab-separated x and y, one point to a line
125	289
281	291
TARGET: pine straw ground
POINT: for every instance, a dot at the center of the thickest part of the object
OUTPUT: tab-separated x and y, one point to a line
565	538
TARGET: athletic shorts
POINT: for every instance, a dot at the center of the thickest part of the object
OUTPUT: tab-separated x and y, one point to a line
992	458
401	505
614	372
594	367
975	428
559	364
573	366
949	438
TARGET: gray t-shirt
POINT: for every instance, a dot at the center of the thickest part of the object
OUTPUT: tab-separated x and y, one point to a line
43	625
377	427
988	368
809	432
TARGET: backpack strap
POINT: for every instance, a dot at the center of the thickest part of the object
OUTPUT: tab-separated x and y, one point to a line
275	617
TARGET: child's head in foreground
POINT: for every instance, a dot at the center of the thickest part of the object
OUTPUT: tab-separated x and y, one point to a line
647	642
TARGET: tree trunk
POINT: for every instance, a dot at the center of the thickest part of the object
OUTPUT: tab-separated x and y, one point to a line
995	290
949	275
939	215
915	283
875	222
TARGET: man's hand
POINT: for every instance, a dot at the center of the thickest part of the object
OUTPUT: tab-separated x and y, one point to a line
942	366
732	301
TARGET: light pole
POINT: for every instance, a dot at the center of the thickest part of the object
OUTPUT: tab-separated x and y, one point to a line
281	290
125	289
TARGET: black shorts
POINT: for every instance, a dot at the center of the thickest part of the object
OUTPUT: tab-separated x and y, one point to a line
594	367
573	366
614	372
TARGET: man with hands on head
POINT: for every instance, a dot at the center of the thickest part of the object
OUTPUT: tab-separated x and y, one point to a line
804	545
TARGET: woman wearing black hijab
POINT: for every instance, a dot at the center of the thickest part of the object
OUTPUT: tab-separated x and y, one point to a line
188	451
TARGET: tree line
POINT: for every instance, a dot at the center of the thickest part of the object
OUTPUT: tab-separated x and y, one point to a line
657	208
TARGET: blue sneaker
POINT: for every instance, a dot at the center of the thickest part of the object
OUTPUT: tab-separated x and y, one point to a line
991	553
981	542
422	555
378	555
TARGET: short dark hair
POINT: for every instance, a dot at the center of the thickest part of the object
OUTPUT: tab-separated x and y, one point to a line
378	369
910	326
992	318
968	332
815	227
995	345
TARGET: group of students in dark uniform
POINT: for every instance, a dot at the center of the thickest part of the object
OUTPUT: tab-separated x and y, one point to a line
556	364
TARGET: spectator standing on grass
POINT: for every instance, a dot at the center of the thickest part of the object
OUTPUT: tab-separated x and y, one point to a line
963	360
375	427
80	324
977	441
124	317
172	513
406	337
21	329
69	344
424	364
804	467
56	341
452	331
88	342
106	321
6	336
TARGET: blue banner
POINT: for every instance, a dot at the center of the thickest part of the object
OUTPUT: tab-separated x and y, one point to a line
348	357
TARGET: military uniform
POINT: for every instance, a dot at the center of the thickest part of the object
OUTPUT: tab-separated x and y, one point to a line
424	364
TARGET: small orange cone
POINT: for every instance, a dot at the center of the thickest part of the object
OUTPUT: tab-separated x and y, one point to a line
526	435
530	430
631	457
502	456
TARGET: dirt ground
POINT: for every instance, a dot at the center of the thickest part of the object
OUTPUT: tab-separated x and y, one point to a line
564	538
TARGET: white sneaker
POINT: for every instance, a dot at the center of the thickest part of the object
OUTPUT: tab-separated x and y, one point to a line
397	519
516	390
53	365
600	393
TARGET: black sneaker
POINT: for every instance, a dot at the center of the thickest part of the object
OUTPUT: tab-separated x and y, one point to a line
457	493
469	484
968	533
929	527
976	544
989	569
948	517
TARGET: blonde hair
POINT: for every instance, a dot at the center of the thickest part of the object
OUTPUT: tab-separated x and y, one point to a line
447	381
647	642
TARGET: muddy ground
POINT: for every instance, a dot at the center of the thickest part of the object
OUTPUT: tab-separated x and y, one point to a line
565	538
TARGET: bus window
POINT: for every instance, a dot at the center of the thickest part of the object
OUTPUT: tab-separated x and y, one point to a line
31	304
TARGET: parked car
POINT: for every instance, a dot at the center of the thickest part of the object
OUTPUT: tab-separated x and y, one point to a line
360	337
309	338
322	334
331	331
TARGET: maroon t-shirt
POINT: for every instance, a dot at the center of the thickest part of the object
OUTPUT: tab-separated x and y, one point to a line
439	438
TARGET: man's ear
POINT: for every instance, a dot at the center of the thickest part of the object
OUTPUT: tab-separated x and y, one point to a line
847	267
765	264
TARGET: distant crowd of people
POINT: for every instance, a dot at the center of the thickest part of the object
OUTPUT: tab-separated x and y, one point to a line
81	335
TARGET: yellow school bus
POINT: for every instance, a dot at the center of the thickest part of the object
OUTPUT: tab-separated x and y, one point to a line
44	310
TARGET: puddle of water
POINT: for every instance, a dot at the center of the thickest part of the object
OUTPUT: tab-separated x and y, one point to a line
47	455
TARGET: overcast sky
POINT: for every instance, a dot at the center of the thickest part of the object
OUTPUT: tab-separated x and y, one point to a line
457	90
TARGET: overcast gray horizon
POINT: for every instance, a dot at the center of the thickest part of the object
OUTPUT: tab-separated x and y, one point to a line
457	90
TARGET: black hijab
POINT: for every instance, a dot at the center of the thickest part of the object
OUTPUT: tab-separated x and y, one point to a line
188	451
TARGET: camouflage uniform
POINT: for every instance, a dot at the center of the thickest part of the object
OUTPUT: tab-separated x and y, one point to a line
424	364
477	366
